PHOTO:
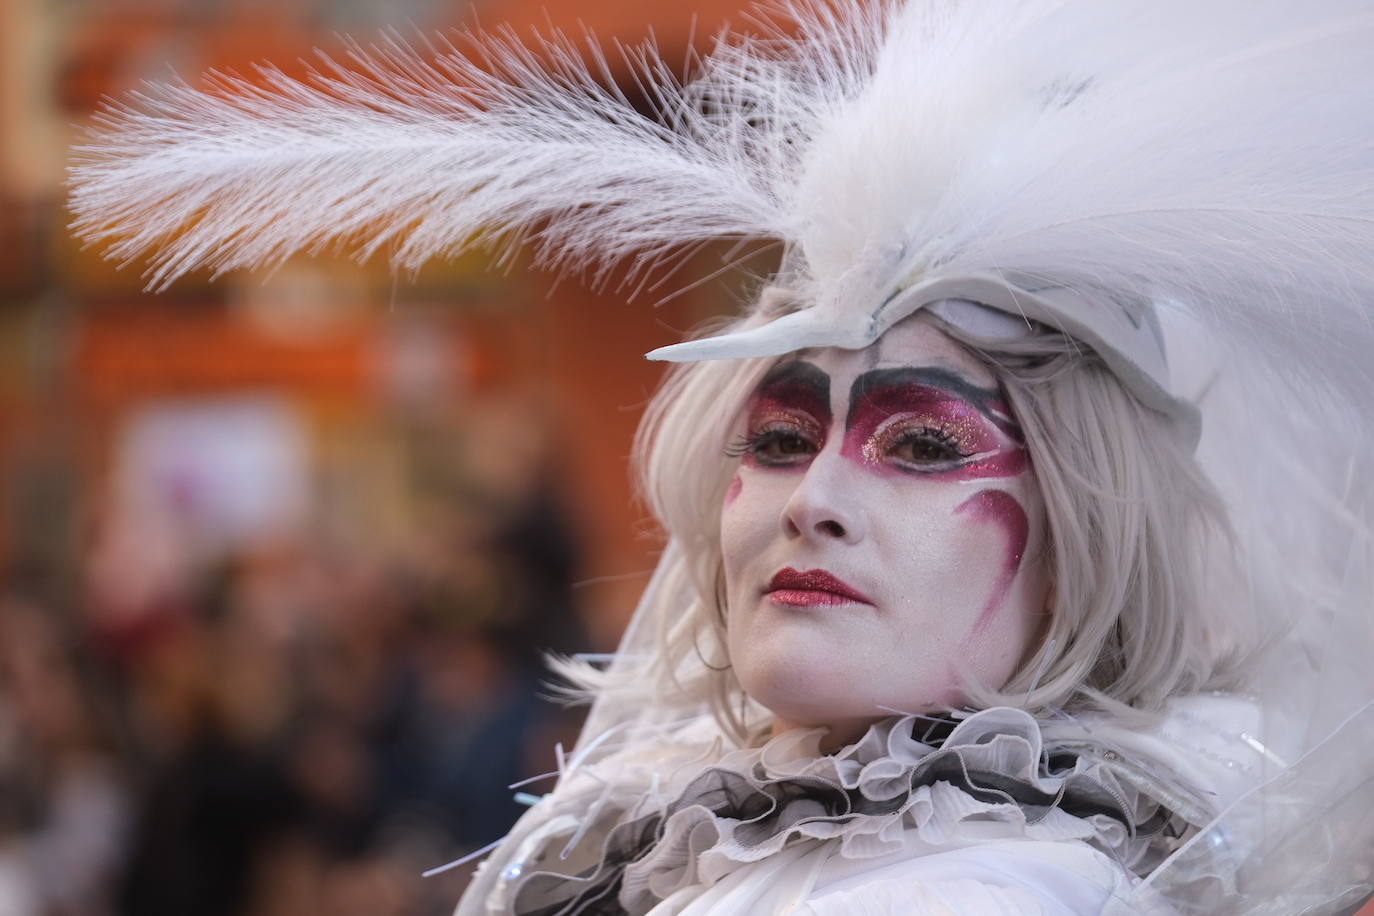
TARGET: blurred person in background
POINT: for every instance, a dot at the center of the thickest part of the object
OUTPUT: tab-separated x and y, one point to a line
64	802
333	723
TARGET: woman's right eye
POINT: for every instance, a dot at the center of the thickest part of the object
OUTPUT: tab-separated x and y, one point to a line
775	447
783	447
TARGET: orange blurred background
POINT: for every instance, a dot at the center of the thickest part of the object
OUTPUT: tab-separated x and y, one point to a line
279	554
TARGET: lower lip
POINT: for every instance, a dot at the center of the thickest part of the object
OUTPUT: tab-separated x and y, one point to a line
795	597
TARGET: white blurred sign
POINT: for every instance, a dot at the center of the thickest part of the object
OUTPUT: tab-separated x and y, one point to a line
222	470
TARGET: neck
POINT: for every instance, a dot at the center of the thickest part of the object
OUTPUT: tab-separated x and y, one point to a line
839	733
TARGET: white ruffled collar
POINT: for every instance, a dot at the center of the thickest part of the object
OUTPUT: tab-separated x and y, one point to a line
995	774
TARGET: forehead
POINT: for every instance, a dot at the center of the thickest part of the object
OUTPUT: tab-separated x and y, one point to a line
913	342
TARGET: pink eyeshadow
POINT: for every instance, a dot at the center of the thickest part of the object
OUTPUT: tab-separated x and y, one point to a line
999	507
732	492
1006	463
788	404
933	407
792	399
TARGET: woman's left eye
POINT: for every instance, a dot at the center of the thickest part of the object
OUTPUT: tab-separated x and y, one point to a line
927	445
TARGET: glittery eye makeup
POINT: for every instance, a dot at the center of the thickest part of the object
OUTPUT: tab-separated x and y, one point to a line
909	420
931	421
788	418
937	433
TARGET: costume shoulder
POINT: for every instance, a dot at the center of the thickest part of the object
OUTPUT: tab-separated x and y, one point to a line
1017	877
1291	833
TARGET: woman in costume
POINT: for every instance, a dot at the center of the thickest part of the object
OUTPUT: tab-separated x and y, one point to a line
1018	559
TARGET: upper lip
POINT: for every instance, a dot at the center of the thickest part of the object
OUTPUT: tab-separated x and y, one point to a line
815	580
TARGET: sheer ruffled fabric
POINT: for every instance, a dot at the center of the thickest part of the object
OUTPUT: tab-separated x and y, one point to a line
997	775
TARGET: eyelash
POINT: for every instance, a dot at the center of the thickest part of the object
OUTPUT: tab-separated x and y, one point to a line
755	444
937	436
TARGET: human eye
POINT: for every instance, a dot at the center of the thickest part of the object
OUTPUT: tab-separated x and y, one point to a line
927	445
923	443
778	444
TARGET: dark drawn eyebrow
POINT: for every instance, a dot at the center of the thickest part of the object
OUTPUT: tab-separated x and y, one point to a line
989	401
796	373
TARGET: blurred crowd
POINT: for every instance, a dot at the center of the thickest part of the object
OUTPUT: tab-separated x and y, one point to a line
280	555
286	725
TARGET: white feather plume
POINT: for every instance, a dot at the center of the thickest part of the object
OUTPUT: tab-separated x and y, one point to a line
1215	154
420	158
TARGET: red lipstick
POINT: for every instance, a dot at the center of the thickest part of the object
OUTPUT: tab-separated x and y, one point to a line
812	588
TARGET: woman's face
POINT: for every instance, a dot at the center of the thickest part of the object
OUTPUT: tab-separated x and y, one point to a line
883	535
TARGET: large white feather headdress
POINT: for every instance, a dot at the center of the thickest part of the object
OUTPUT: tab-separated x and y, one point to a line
1210	156
1132	171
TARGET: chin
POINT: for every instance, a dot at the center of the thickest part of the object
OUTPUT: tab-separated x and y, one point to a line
808	691
805	677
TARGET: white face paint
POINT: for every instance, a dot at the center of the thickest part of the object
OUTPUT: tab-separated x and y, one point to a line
884	535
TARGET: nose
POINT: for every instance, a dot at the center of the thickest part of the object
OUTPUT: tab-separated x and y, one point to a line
825	506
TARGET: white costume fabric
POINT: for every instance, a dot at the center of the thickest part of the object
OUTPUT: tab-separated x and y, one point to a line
1184	187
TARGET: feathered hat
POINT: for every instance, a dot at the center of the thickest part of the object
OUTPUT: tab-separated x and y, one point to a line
1128	172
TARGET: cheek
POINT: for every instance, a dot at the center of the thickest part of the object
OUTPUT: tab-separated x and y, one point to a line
733	491
749	515
958	559
1001	511
933	547
1011	522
